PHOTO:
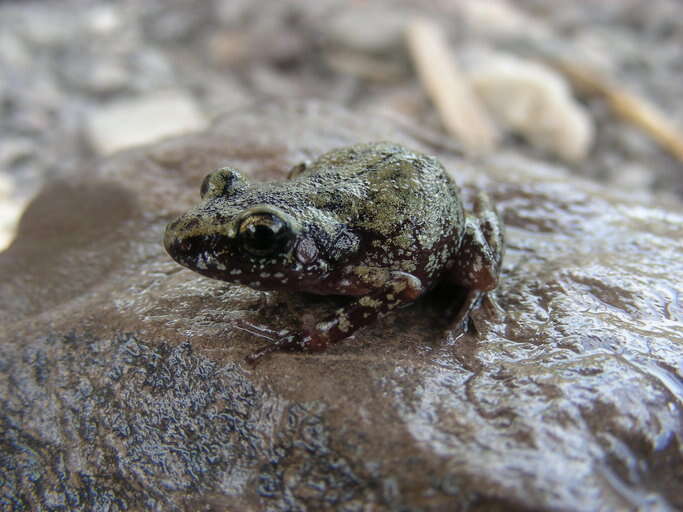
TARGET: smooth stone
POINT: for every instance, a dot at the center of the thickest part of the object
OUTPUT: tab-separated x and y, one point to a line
532	100
124	386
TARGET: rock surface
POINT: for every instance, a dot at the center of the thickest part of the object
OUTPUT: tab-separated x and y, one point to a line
123	386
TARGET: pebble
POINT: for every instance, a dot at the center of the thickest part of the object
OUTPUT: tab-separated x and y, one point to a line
368	29
10	212
141	120
12	151
232	13
632	177
96	76
177	20
227	48
222	93
15	54
103	20
150	69
107	77
48	28
530	99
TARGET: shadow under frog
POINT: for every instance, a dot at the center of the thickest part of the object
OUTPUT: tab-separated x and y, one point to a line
375	222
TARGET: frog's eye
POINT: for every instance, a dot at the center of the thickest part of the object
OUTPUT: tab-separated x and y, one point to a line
222	182
264	234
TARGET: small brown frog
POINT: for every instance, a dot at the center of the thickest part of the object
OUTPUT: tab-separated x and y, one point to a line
376	222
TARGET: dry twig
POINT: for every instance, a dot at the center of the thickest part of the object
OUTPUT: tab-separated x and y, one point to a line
461	112
625	104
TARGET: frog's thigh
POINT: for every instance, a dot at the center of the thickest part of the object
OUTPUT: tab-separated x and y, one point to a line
491	226
477	264
392	290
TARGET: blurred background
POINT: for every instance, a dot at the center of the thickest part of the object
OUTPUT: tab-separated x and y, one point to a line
594	87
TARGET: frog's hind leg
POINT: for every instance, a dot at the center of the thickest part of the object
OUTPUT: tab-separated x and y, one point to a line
477	266
387	291
459	322
259	331
399	288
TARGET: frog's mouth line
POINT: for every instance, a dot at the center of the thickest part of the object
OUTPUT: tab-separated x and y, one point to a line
188	248
218	256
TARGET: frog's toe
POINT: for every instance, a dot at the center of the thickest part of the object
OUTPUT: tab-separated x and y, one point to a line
288	342
460	322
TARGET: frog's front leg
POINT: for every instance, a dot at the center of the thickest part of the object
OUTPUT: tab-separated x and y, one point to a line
386	290
478	262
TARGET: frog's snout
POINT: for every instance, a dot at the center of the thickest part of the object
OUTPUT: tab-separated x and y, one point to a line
177	240
187	241
172	242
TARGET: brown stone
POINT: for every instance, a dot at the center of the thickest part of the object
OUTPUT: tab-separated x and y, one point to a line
123	386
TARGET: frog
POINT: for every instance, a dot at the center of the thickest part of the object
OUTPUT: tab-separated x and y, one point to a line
377	223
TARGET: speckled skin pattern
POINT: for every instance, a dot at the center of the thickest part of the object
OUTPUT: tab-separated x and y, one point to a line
374	221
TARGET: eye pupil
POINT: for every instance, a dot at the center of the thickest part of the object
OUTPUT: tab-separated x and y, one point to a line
262	237
263	234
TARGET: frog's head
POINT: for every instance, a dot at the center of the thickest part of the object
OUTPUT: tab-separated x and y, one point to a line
237	233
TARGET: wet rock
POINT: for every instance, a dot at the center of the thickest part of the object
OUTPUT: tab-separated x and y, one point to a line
122	382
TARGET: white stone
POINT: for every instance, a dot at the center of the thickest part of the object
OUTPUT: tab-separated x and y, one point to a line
368	28
633	177
14	53
12	150
106	77
142	120
104	19
10	212
533	100
49	28
6	187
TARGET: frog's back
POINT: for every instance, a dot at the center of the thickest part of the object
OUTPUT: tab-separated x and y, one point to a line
401	201
380	184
